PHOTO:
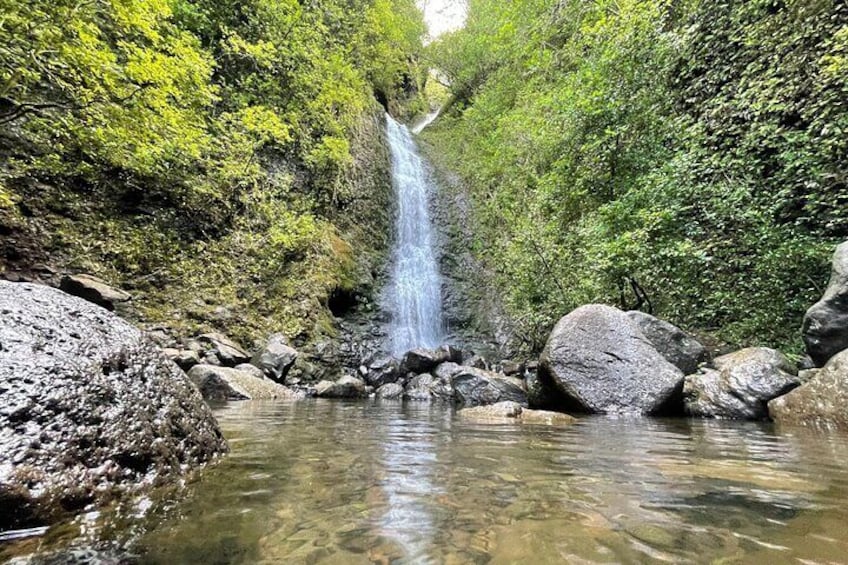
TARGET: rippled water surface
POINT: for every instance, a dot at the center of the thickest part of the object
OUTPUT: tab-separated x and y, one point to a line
334	482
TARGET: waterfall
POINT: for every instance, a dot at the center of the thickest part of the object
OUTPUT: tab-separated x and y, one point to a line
414	292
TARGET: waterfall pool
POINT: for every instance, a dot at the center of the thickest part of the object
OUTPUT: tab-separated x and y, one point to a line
321	481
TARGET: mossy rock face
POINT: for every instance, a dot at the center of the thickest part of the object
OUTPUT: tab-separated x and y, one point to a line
91	410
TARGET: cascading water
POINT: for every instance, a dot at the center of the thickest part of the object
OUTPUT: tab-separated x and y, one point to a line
414	292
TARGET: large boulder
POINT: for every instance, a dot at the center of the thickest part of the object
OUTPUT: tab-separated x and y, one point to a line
390	391
94	290
425	360
679	348
474	387
222	383
90	409
741	387
275	358
600	360
823	401
825	326
226	350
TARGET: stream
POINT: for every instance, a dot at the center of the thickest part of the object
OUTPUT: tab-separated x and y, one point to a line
388	482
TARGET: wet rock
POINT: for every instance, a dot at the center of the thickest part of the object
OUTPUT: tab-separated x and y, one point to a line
224	383
228	352
383	371
741	387
184	358
390	391
275	357
601	361
822	402
541	394
446	371
508	411
250	369
425	360
679	348
94	290
474	387
428	387
345	387
91	409
825	325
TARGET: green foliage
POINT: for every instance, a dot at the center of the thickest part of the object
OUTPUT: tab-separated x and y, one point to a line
666	142
193	148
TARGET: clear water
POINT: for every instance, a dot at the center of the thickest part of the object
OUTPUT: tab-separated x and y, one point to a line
334	482
414	290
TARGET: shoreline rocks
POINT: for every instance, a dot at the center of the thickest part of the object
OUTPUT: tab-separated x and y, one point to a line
91	409
821	402
742	385
223	383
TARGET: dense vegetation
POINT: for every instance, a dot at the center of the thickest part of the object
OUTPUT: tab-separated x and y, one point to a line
696	150
219	158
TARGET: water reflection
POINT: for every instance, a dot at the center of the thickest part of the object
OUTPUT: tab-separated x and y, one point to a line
408	463
335	482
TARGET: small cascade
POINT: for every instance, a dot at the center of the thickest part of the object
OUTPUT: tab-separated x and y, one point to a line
414	291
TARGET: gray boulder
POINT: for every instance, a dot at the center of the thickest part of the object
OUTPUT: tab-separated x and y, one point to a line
446	371
275	357
390	391
223	383
543	394
822	402
825	326
428	387
345	387
474	387
250	369
382	371
91	409
425	360
601	361
679	348
742	386
94	290
228	352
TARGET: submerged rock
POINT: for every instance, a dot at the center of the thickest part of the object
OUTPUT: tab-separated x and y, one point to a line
822	401
275	358
601	361
345	387
94	290
474	387
825	326
742	386
679	348
222	383
91	409
508	411
228	352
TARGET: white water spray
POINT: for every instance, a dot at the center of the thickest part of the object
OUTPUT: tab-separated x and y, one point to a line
415	299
